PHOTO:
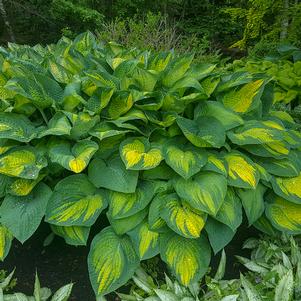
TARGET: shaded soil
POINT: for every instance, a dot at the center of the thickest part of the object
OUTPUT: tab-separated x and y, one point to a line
59	263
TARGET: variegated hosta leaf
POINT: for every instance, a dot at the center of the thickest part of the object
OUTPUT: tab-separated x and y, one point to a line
120	103
145	241
216	163
112	261
60	74
242	171
203	132
113	168
205	192
186	160
99	99
284	215
279	149
122	205
75	202
227	117
288	188
23	162
230	212
22	187
75	158
160	61
245	98
23	215
155	220
58	125
188	258
293	138
16	127
264	175
124	225
73	235
255	132
253	202
6	145
144	79
163	119
264	225
5	241
287	167
139	154
181	217
209	84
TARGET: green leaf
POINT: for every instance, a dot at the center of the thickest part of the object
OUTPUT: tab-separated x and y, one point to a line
23	162
225	116
63	293
188	258
145	241
5	241
253	202
245	98
16	127
203	132
219	234
72	157
23	215
60	74
242	171
124	225
75	202
250	290
285	288
155	220
230	212
124	180
181	218
123	205
285	216
205	192
186	160
288	188
73	235
99	99
112	261
139	154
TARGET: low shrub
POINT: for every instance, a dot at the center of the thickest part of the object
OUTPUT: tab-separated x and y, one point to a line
171	151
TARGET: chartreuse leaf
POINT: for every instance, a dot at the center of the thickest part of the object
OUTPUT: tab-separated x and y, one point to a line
230	212
227	117
288	188
139	154
23	162
216	163
145	241
182	218
16	127
99	99
253	202
186	160
5	241
286	167
72	157
245	98
22	215
205	192
75	202
73	235
188	258
242	171
284	215
124	225
122	205
203	131
58	125
255	132
112	261
113	168
60	74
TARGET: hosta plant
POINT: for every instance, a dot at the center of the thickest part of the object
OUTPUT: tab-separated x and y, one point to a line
167	152
39	293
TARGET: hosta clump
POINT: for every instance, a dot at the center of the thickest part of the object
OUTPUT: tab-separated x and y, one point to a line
170	151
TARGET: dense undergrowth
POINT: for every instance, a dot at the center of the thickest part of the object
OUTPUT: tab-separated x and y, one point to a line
171	151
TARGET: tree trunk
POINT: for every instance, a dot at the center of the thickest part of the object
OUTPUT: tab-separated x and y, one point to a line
6	22
285	21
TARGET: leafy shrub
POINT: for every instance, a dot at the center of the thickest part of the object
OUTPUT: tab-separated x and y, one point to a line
39	294
274	274
173	150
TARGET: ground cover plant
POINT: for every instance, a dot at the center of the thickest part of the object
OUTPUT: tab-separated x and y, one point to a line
168	152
